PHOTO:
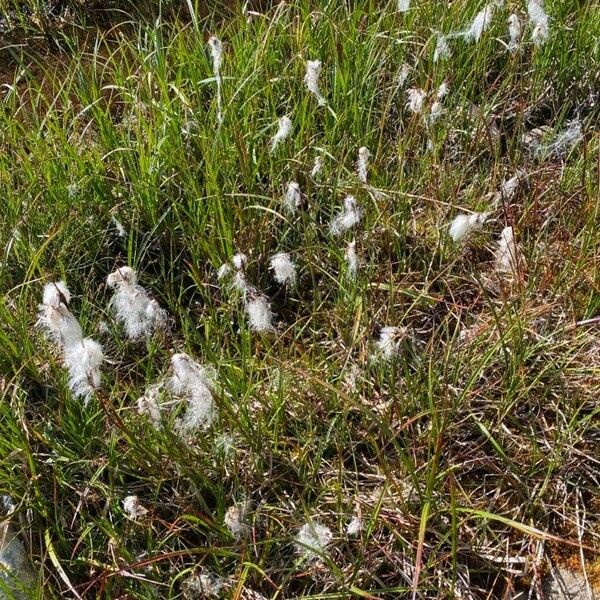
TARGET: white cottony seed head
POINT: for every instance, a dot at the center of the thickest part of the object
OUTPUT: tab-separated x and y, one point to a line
415	97
442	48
354	526
83	361
352	259
258	310
235	520
463	225
312	540
348	218
507	252
539	21
216	51
133	507
388	342
194	383
362	164
293	197
283	131
311	79
480	23
515	32
317	166
403	75
284	270
403	5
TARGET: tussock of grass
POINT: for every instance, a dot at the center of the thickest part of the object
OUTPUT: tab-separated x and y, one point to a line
466	446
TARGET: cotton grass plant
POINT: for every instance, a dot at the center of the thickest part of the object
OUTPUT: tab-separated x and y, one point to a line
408	417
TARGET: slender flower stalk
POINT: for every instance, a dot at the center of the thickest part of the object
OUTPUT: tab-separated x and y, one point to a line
283	131
216	51
311	80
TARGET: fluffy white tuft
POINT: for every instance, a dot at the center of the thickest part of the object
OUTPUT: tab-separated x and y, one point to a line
311	80
479	24
352	259
515	32
317	166
258	310
507	252
312	540
133	508
140	315
442	48
216	51
539	20
362	165
403	5
348	218
293	197
284	270
403	75
236	520
354	526
149	404
83	361
283	131
415	97
463	225
562	142
388	341
193	382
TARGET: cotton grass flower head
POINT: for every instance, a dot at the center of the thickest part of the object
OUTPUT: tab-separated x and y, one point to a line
293	197
415	98
83	361
463	225
317	166
507	252
312	540
133	508
204	584
54	316
284	129
351	259
442	48
194	383
479	24
258	311
149	404
362	165
515	32
539	21
354	526
348	217
388	341
562	142
405	70
216	51
284	270
311	79
140	315
236	520
403	5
